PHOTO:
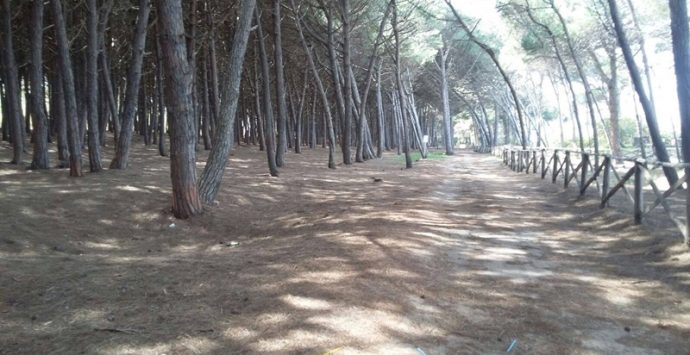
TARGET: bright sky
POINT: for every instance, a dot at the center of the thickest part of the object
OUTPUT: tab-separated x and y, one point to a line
662	63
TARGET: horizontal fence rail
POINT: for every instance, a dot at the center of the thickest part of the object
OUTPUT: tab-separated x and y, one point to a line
586	170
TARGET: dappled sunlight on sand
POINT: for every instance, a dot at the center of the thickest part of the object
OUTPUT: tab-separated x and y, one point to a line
453	256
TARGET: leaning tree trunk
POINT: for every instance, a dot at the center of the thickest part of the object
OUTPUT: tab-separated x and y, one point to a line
12	89
178	77
650	115
212	176
490	52
681	52
134	75
40	158
373	59
585	82
329	132
65	67
92	87
566	74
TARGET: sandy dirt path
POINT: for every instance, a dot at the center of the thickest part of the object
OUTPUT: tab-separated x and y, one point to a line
456	256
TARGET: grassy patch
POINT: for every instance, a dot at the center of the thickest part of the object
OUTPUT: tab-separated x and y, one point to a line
417	156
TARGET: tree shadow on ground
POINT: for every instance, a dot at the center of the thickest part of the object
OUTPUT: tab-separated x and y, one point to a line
454	256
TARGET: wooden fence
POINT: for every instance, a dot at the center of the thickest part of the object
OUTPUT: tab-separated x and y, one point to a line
586	171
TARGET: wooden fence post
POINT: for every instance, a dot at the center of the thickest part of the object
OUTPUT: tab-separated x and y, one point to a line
543	164
534	162
554	173
638	195
605	182
686	237
583	172
567	169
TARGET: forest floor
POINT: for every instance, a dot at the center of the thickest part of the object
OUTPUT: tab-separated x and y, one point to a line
458	255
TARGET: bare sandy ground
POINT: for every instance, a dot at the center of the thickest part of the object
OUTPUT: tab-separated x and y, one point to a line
456	256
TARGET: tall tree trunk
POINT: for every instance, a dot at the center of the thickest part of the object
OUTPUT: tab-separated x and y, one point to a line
300	111
106	113
178	73
269	132
65	63
12	89
92	48
339	98
447	123
160	97
110	94
447	139
40	157
347	64
614	104
134	75
650	115
681	53
381	126
191	59
57	104
212	176
207	112
281	148
399	89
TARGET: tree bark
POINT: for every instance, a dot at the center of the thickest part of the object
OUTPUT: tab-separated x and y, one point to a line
134	75
681	53
340	101
494	59
329	132
281	148
12	89
680	33
92	48
40	157
161	98
212	176
650	115
381	125
269	131
347	68
399	89
65	67
585	81
178	73
447	138
566	74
